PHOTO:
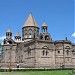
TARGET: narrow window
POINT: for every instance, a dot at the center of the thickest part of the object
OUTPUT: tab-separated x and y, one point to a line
43	52
26	36
41	37
29	35
34	35
46	52
73	54
46	37
19	58
67	52
29	51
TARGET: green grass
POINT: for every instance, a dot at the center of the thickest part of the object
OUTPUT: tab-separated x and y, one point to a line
60	72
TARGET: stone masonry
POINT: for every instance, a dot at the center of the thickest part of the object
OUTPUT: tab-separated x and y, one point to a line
36	50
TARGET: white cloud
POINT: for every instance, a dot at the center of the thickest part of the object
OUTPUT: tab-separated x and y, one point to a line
73	35
2	37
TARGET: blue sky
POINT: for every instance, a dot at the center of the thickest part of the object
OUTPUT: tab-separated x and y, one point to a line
58	14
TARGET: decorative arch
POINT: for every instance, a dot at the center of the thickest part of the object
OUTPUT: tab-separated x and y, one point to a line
73	51
45	47
34	30
41	37
26	35
25	30
45	50
67	47
47	37
30	30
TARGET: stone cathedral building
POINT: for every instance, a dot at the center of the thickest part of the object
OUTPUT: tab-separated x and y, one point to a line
36	50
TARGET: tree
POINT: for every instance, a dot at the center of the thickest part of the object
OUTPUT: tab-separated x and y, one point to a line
0	44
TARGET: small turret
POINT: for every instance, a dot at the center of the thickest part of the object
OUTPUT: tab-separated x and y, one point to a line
17	37
44	27
8	34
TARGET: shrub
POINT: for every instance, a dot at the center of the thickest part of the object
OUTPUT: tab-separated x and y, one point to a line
33	69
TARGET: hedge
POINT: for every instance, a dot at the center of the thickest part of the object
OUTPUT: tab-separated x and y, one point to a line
33	69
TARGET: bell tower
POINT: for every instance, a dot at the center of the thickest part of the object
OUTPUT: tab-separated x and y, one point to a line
45	35
9	34
17	37
44	27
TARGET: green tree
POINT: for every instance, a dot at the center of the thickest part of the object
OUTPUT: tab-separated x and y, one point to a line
0	44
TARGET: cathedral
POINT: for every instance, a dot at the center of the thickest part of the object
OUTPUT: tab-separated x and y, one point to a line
36	50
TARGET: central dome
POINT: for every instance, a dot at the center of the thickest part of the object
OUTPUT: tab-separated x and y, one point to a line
30	21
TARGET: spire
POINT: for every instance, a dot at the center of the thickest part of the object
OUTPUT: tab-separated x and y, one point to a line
9	30
44	24
17	34
30	21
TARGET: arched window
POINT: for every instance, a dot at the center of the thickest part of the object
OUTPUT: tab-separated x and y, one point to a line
43	52
25	35
30	30
25	31
29	35
34	35
46	37
46	52
19	58
67	52
41	37
9	42
29	51
73	52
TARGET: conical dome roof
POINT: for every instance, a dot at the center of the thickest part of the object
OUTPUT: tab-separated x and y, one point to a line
30	21
44	24
9	30
17	34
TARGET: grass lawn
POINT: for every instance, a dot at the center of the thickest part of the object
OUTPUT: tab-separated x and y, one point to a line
61	72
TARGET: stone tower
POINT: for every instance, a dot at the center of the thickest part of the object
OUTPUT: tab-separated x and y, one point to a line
9	34
8	39
9	50
45	35
30	29
44	27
